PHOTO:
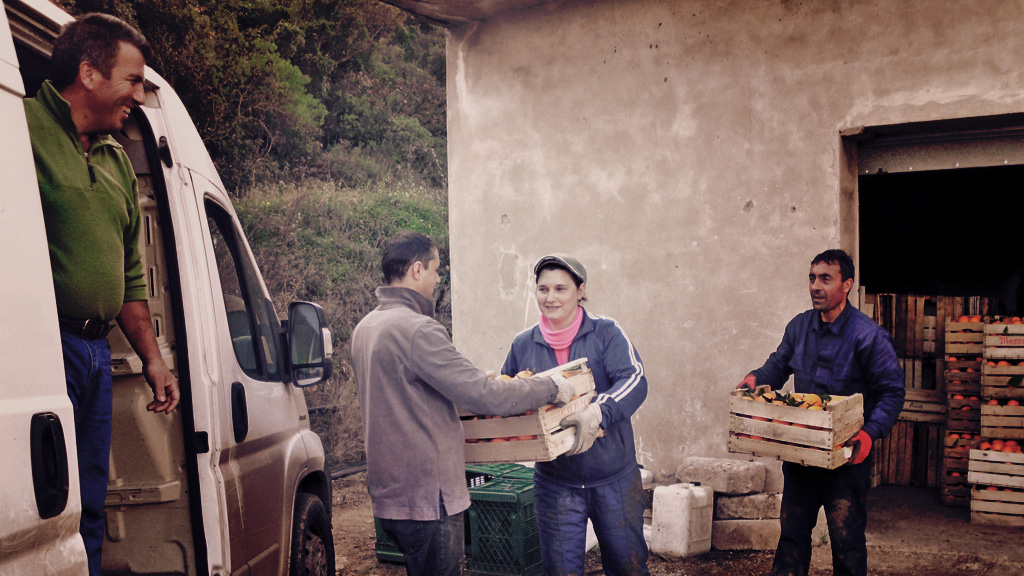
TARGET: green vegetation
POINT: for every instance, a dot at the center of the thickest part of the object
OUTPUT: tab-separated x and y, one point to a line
346	90
320	241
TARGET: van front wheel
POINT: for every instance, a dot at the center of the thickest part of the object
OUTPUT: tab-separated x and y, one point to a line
312	539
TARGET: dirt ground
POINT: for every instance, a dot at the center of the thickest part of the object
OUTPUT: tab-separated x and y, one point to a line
909	534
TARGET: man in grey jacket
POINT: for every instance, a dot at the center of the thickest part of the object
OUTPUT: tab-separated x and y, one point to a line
410	379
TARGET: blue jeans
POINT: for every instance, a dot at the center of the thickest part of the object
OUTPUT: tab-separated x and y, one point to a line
87	371
431	547
844	494
617	511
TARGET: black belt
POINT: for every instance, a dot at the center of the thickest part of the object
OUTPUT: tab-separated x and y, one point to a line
87	330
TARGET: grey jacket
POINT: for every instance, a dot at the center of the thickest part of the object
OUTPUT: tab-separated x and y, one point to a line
410	378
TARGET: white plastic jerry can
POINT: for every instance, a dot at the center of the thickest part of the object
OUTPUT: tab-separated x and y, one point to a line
681	524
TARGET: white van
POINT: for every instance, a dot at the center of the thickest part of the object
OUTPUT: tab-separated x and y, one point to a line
233	482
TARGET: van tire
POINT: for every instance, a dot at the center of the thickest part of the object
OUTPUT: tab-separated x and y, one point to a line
312	538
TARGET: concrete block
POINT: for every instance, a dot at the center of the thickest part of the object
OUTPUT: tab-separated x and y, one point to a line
773	480
723	475
758	534
753	507
745	534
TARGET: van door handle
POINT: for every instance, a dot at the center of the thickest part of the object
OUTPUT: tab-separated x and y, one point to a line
49	464
239	412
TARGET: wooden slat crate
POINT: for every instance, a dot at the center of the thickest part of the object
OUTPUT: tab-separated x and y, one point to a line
1001	507
991	468
1002	421
531	437
965	338
1000	379
928	334
809	437
924	406
956	490
1000	470
1004	341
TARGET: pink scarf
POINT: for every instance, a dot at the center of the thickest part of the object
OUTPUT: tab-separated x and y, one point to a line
561	340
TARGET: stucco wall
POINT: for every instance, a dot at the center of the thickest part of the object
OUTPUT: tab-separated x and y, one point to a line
689	154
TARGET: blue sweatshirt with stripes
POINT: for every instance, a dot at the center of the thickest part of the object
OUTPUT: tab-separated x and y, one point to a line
621	388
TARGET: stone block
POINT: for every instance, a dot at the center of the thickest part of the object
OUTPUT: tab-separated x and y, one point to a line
745	534
753	507
773	480
758	534
723	475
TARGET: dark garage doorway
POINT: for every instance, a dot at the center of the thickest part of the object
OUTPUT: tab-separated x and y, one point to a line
945	232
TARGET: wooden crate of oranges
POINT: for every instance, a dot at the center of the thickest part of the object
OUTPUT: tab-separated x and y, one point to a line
997	472
804	428
534	436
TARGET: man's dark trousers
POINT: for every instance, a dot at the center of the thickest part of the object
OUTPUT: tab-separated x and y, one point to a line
843	492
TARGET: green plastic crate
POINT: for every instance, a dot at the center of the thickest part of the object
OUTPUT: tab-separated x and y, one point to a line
503	522
480	474
386	549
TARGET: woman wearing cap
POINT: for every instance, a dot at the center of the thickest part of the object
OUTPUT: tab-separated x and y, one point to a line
598	478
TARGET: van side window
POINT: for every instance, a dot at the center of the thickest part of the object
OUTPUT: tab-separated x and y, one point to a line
251	322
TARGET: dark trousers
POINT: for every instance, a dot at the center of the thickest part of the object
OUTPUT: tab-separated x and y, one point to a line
432	547
87	371
617	511
844	493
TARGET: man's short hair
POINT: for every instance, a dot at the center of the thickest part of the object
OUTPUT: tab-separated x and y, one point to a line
836	256
94	38
402	250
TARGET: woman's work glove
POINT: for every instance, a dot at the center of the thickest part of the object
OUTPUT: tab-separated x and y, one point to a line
861	443
565	390
588	425
750	382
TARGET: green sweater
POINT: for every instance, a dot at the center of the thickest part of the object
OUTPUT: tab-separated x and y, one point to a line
91	209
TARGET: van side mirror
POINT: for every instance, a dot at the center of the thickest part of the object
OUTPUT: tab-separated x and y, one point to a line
309	344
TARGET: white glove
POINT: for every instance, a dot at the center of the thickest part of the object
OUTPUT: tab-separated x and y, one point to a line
565	390
588	424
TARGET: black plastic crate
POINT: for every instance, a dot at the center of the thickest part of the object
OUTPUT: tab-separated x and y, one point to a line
503	522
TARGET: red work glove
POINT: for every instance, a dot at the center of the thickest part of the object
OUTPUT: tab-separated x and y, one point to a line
861	447
750	382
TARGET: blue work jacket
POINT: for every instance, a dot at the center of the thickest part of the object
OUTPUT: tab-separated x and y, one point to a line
850	355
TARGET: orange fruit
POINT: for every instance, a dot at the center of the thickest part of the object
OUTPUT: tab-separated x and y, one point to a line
973	398
964	319
952	359
958	396
977	318
965	436
984	446
965	408
1002	363
992	402
1012	402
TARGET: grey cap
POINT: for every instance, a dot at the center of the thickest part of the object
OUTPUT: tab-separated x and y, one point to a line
565	261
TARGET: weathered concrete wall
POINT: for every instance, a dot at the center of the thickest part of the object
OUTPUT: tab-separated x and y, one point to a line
689	153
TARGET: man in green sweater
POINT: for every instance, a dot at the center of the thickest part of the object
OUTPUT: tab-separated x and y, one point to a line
90	205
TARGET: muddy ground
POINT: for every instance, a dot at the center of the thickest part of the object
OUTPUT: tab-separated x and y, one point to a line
909	534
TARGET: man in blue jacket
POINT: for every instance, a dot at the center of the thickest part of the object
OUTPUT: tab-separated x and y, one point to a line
833	349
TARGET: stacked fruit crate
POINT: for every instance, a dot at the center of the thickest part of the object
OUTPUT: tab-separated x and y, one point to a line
964	348
1002	416
998	479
